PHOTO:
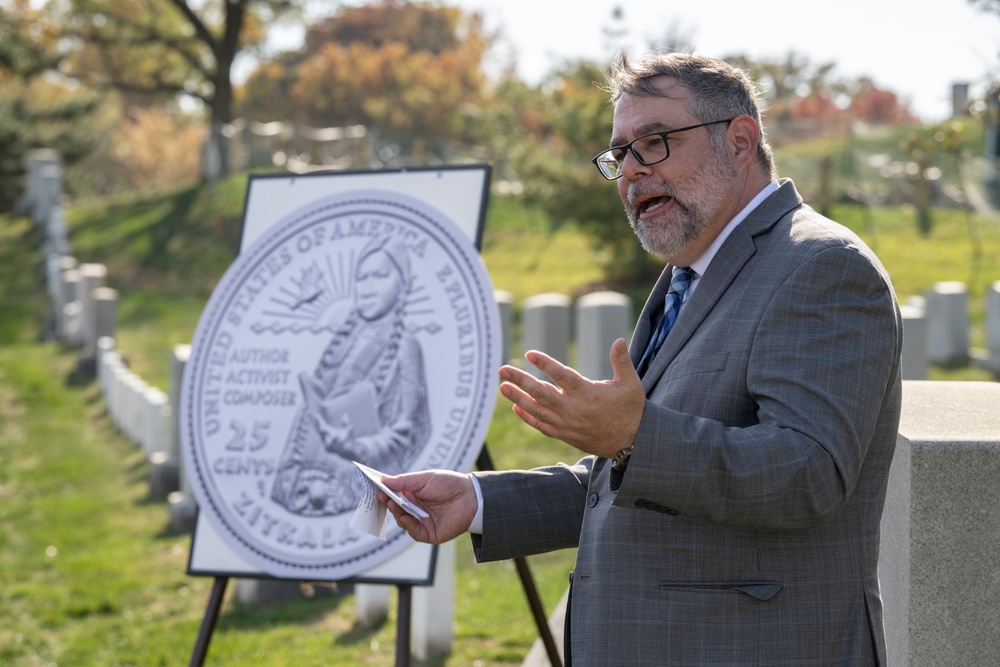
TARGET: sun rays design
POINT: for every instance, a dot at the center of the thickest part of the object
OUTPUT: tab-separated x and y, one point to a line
311	301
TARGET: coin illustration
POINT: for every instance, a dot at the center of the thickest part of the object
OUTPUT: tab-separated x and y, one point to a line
362	327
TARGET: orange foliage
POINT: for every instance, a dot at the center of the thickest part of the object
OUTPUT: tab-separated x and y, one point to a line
881	107
150	148
407	70
817	105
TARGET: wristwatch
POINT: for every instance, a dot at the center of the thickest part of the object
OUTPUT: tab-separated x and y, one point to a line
620	461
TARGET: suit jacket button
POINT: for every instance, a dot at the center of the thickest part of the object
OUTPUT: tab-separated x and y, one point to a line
592	500
672	512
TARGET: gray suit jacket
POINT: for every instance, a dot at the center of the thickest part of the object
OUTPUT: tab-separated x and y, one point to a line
746	528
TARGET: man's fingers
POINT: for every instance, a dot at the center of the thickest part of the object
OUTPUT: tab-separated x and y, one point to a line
561	374
524	380
530	407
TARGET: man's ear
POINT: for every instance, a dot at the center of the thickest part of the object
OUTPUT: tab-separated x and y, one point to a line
743	136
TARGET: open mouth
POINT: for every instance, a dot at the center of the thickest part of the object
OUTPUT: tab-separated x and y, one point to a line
652	204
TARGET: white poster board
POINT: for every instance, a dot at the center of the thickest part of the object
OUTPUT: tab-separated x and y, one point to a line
306	247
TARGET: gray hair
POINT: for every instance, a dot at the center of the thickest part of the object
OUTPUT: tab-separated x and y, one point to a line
718	90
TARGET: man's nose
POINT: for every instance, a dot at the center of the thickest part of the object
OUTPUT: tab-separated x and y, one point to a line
631	167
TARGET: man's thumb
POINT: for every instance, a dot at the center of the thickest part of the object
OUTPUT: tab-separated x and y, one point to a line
621	362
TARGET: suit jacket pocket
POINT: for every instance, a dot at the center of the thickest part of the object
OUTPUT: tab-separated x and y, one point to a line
760	590
717	623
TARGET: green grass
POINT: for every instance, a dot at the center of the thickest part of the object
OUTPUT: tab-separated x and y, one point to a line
91	572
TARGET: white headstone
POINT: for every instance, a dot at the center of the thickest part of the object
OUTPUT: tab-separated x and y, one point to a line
183	508
65	293
993	319
947	323
91	278
155	423
107	355
434	609
56	239
105	313
72	316
135	417
372	603
545	326
40	164
601	319
69	318
505	302
914	362
116	394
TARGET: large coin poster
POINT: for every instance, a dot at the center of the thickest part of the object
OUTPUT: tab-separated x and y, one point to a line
362	327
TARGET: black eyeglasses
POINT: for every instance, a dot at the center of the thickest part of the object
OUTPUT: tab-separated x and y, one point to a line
648	149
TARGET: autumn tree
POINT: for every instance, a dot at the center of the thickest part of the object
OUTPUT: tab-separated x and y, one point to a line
154	50
410	71
35	113
878	106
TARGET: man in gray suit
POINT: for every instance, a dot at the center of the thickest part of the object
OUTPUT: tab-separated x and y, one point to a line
727	509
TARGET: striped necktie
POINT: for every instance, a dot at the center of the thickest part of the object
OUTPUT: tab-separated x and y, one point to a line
679	283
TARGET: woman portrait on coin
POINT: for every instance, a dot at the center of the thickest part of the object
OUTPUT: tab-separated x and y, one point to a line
366	401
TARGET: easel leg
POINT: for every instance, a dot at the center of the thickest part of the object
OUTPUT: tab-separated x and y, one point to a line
208	623
405	604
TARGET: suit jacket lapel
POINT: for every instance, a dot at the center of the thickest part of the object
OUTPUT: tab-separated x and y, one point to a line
725	266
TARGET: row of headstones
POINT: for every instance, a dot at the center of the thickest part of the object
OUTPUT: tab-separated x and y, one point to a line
943	338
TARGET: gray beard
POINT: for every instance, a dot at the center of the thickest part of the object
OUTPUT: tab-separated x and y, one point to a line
668	238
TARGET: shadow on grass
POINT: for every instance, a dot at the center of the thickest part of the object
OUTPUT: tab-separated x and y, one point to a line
296	611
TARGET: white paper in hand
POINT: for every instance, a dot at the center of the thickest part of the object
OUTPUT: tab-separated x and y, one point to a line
370	517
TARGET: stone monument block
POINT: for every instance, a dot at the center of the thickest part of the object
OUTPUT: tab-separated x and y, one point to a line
941	527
